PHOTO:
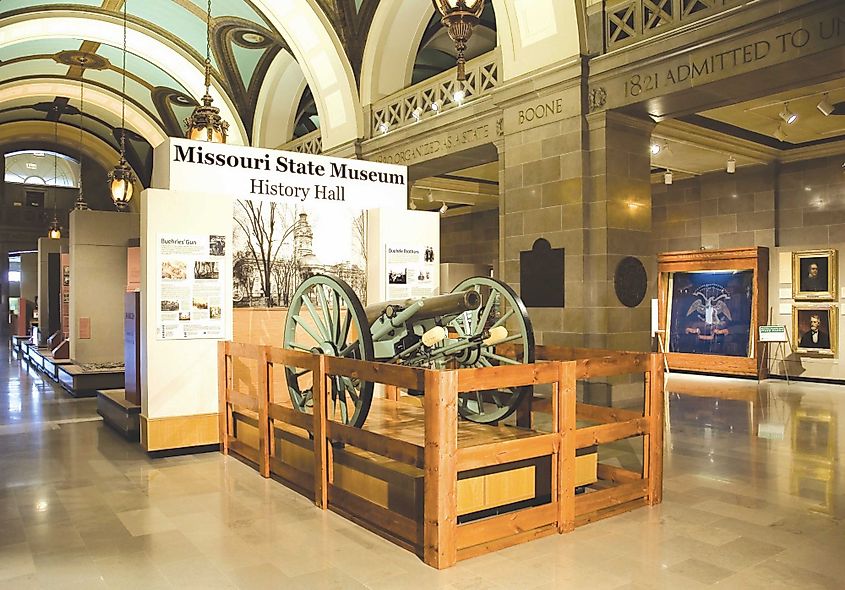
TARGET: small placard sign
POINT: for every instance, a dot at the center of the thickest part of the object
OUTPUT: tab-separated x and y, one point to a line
773	334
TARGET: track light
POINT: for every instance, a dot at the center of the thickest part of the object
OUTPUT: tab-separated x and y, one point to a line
655	149
825	107
788	116
780	134
667	177
444	208
430	197
412	206
731	167
417	114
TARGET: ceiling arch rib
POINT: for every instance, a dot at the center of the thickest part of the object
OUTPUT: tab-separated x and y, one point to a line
98	98
275	112
316	47
152	48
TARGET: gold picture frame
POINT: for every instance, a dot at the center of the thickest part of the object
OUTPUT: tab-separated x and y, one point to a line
827	333
814	275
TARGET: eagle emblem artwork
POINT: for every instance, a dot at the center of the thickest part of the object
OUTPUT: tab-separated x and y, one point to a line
711	313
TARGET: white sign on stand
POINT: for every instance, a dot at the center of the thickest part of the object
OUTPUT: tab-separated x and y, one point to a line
773	334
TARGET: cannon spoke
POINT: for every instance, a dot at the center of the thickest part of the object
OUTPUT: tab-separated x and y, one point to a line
317	319
494	296
308	330
503	319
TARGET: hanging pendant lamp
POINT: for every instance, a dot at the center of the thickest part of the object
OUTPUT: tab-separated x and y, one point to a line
205	123
55	230
80	204
121	178
460	18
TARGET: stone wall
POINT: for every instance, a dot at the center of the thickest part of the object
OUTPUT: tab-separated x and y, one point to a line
800	204
471	239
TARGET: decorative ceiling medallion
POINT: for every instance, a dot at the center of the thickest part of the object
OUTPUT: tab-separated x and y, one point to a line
250	39
83	59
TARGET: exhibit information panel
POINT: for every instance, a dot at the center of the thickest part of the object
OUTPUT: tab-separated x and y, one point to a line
710	312
190	287
410	271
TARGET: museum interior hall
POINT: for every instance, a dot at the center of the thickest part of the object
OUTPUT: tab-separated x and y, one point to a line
382	294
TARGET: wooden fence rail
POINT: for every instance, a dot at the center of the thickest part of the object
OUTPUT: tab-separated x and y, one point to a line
450	452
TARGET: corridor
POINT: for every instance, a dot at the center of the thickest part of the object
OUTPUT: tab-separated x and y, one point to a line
81	508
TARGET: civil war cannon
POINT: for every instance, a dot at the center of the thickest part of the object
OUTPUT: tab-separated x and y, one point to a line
466	328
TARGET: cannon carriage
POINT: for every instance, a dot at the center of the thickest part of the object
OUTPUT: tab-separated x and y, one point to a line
482	323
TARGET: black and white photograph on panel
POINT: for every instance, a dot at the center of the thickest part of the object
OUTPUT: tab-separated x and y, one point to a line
278	245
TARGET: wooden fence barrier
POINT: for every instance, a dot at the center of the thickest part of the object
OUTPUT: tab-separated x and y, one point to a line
433	445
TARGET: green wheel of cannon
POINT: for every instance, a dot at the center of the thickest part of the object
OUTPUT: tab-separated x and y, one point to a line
504	336
326	317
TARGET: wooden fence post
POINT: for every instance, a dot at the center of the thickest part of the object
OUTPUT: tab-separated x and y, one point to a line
566	448
265	431
441	476
222	382
321	469
655	409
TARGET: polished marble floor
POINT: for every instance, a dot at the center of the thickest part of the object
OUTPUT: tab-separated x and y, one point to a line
754	497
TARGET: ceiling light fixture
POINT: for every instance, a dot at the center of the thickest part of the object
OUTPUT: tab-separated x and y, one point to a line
444	208
779	133
412	206
417	114
435	106
460	17
205	123
80	204
655	149
825	106
788	116
459	97
121	178
667	177
731	165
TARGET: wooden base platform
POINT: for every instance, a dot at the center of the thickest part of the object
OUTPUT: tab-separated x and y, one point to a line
42	359
121	415
82	382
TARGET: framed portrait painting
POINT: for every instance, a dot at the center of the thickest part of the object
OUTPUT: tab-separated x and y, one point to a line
814	328
814	275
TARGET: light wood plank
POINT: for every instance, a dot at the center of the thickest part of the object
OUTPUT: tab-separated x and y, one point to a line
612	496
506	451
565	427
374	442
606	433
505	525
506	376
604	414
406	377
378	516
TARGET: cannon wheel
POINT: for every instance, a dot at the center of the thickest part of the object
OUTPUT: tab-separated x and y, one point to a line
500	306
326	317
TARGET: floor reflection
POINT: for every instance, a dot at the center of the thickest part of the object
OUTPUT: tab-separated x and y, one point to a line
791	430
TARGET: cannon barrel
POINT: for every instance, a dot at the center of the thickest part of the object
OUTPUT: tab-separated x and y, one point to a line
429	307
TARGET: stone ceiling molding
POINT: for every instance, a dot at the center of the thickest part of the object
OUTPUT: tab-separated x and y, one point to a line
318	50
69	25
47	89
275	111
532	34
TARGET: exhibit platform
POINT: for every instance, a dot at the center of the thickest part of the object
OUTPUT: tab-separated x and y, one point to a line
444	488
17	343
84	380
120	414
42	359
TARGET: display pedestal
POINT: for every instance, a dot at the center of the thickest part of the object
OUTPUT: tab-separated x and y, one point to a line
121	415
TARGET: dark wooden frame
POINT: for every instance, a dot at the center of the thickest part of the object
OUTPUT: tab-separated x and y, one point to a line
755	259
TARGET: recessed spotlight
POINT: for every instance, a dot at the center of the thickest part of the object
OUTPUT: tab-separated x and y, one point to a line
788	116
667	177
731	166
825	107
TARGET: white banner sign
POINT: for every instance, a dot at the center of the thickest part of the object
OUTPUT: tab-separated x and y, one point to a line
298	179
190	287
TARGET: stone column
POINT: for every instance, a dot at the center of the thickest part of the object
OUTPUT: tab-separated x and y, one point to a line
617	225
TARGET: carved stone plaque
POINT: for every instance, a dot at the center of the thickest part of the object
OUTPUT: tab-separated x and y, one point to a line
630	281
541	275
